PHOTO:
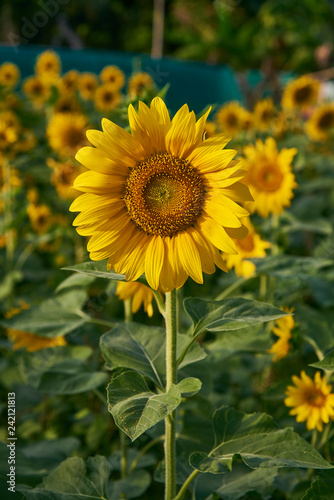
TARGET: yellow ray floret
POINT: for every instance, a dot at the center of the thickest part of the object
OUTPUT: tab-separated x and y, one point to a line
160	200
138	293
282	330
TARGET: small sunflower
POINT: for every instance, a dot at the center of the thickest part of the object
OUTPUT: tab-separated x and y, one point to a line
269	177
159	200
9	75
246	120
68	83
36	89
40	217
300	93
10	119
62	178
229	118
139	293
8	135
113	76
311	400
139	83
250	247
26	142
106	98
321	124
67	104
48	66
282	330
87	85
66	133
264	113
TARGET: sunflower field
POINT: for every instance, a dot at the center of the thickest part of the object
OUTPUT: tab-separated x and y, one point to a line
167	290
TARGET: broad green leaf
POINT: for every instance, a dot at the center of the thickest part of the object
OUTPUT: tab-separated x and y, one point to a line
132	486
143	348
99	270
228	314
64	383
316	326
327	363
258	441
287	266
52	317
75	280
136	409
74	479
189	387
322	488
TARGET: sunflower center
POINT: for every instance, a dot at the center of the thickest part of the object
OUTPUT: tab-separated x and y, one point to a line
163	194
232	120
269	178
247	243
303	94
315	397
327	120
74	136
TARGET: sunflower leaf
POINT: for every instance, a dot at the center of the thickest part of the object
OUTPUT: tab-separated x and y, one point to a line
322	487
258	441
228	314
136	409
327	363
99	270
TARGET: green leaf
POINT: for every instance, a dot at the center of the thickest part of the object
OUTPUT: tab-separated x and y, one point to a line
190	386
136	409
258	441
99	270
132	486
287	266
327	363
52	317
322	488
74	480
143	348
64	383
75	280
228	314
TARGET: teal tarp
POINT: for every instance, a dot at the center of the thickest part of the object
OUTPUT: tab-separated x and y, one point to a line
197	84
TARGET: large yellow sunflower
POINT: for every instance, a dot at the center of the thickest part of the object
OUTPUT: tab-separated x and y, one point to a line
48	66
229	118
311	400
321	124
282	330
66	133
160	201
138	293
269	177
250	247
113	76
300	93
9	75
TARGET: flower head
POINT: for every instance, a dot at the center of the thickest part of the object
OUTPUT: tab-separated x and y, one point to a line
113	76
9	75
66	132
282	330
40	217
107	98
300	93
48	66
229	118
311	400
269	177
159	200
87	84
264	112
62	178
68	83
138	83
36	89
321	123
139	293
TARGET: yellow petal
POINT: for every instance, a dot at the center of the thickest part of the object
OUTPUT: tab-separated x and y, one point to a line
154	261
189	256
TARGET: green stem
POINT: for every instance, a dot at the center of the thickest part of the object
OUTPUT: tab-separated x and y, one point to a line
122	435
263	286
128	311
179	297
100	322
144	449
230	289
171	370
185	485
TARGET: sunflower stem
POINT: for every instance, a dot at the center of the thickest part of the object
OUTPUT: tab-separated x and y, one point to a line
171	371
185	485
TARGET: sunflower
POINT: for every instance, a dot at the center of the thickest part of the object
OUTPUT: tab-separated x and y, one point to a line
10	119
252	246
62	178
26	142
40	217
282	330
300	93
113	76
210	130
246	119
9	75
8	135
159	200
321	124
269	177
36	89
67	104
229	118
311	400
264	113
48	66
139	83
87	84
68	83
66	133
139	293
107	98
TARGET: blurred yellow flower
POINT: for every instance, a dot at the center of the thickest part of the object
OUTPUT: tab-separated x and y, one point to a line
246	119
269	176
10	119
62	178
87	84
67	104
8	135
311	400
138	83
113	76
27	141
68	82
40	217
321	124
66	133
264	113
9	75
139	293
229	118
36	89
300	93
282	330
107	98
251	246
48	66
